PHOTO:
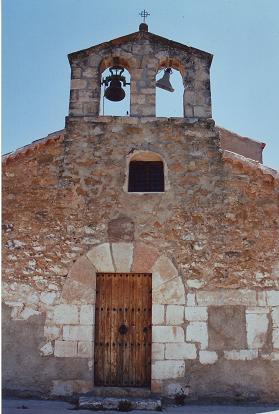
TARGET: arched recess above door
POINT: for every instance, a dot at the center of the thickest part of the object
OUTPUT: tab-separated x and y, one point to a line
123	257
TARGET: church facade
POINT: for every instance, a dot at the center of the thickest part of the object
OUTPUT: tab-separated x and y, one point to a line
141	251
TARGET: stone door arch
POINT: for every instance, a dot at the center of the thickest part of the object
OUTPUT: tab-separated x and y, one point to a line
79	295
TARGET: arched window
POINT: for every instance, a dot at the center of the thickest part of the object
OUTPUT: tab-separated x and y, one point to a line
146	174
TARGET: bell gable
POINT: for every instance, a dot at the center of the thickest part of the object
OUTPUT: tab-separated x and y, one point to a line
143	54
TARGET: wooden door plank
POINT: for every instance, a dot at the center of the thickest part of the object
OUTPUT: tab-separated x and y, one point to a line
107	329
114	305
96	347
127	322
132	369
138	328
119	376
102	327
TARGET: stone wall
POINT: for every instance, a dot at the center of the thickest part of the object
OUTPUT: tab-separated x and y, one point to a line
210	242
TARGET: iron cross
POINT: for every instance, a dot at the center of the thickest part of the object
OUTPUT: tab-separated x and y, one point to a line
144	15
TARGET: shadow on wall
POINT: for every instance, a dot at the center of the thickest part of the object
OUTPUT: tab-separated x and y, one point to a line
25	372
170	104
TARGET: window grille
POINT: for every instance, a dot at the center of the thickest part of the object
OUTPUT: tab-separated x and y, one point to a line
146	176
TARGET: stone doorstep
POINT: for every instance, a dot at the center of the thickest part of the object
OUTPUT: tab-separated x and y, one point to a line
113	403
120	392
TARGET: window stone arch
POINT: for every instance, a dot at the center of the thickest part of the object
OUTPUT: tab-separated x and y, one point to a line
145	155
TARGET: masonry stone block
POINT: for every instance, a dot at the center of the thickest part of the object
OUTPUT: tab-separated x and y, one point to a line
52	332
241	355
273	356
48	297
262	298
275	317
201	112
181	351
191	299
196	313
258	309
158	351
33	299
208	357
158	314
195	283
162	370
223	297
65	314
197	332
85	349
46	349
76	293
87	315
275	338
100	257
174	315
122	256
78	333
272	297
167	334
28	312
83	272
257	325
78	84
144	258
65	349
174	389
122	229
170	293
163	271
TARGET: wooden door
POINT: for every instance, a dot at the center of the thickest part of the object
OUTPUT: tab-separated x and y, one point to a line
122	354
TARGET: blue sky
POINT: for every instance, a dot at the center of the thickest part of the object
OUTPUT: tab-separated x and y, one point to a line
243	35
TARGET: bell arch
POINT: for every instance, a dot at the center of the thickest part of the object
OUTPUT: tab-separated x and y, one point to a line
115	96
169	62
123	107
170	103
128	62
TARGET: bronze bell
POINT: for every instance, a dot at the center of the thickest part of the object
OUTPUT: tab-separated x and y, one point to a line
164	82
114	91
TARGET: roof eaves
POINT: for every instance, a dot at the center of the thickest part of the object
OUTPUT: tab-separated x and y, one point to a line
253	165
33	145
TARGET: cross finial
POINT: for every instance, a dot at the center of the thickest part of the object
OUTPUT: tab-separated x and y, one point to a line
144	14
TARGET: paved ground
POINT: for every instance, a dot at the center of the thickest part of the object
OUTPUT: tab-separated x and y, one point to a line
57	407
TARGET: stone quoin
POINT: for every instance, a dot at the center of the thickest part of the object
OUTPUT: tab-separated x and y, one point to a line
185	279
